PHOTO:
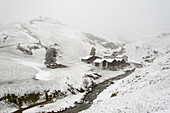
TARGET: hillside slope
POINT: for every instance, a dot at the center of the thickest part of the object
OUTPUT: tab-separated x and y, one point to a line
25	44
46	32
147	90
23	47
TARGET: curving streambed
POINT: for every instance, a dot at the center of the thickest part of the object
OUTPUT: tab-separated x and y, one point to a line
87	101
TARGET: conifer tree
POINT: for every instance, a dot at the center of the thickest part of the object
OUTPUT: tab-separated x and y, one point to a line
50	57
93	51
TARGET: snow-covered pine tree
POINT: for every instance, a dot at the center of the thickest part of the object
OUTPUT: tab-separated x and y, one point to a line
93	51
50	57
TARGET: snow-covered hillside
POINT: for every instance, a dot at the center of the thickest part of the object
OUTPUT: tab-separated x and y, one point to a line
50	32
149	46
147	90
24	72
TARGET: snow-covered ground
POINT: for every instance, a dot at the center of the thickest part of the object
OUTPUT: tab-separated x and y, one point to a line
147	89
24	74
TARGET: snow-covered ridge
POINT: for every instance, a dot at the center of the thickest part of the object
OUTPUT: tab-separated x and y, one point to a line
92	39
155	44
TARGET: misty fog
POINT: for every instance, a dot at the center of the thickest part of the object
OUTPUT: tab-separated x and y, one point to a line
129	20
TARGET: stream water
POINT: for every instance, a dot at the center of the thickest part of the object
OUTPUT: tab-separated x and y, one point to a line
92	95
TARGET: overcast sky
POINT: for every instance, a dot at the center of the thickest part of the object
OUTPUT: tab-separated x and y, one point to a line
128	19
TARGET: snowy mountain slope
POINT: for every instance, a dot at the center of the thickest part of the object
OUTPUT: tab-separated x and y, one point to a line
147	90
110	45
148	46
22	51
50	32
40	34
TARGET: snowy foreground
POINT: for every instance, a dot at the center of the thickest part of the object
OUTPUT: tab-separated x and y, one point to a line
145	90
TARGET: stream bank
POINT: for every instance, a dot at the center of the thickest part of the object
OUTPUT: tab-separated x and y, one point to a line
91	94
96	89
